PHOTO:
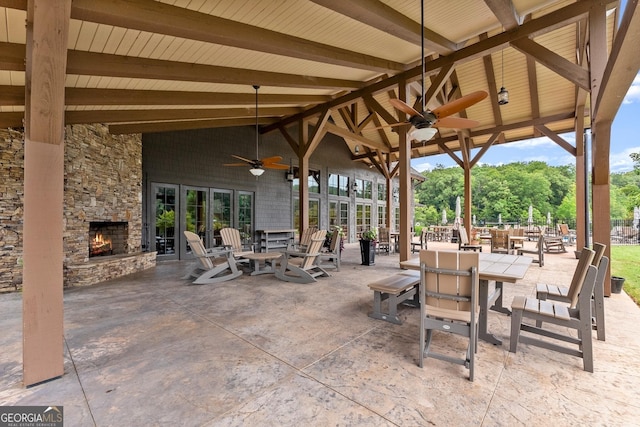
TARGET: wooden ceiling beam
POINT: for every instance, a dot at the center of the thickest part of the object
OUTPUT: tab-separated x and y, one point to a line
567	69
13	119
378	15
166	126
14	95
344	133
505	12
102	64
557	19
162	18
622	66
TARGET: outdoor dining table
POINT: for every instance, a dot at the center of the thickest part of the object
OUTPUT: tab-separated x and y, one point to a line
500	268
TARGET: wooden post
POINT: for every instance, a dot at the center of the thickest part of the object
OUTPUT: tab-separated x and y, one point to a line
42	309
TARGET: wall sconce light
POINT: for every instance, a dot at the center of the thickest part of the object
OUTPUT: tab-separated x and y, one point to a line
289	176
356	149
396	195
354	186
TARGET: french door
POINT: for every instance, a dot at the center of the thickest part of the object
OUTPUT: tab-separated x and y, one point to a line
201	210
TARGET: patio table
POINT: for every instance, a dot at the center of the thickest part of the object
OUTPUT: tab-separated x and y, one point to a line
493	266
268	258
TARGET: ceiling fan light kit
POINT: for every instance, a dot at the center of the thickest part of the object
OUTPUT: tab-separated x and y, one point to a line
256	171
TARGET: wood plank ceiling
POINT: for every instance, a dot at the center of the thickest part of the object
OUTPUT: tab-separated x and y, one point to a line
149	66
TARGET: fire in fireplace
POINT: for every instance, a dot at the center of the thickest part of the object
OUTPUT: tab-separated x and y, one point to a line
108	238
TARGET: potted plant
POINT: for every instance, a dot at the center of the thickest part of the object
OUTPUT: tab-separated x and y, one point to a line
368	246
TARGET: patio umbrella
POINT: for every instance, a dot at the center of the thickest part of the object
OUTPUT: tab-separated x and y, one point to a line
474	219
636	216
548	218
444	216
499	218
530	214
458	211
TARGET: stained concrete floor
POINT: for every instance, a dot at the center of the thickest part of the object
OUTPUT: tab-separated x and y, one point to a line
152	350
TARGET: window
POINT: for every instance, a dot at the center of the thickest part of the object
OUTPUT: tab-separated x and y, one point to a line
313	180
339	215
314	213
338	185
363	218
382	192
365	189
382	216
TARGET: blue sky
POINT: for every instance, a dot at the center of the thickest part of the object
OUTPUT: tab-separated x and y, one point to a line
625	139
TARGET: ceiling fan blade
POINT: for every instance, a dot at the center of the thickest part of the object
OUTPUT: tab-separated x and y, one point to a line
459	104
272	159
456	122
275	166
243	159
401	106
234	164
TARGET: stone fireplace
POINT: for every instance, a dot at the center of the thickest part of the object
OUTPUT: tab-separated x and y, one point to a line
102	236
108	238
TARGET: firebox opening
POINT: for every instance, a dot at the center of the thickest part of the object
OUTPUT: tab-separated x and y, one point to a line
108	238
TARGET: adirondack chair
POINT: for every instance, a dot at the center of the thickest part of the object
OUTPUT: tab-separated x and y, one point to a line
577	315
305	239
330	257
302	267
561	293
231	239
212	265
448	292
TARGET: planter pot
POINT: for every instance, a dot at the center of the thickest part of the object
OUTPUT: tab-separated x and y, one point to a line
368	252
616	284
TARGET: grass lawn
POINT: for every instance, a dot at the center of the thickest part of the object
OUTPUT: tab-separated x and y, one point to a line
624	263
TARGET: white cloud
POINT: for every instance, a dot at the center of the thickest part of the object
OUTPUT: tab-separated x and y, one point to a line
621	162
633	94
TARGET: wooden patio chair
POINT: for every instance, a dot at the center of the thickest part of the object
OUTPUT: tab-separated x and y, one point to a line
448	298
463	241
330	257
539	251
302	267
305	239
576	316
421	244
499	241
212	265
561	293
384	240
231	239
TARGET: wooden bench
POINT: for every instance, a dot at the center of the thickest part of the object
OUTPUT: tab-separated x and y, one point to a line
396	289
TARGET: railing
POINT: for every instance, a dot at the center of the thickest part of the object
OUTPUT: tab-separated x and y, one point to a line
623	231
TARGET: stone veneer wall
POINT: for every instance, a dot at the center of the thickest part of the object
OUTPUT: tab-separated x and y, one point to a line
103	182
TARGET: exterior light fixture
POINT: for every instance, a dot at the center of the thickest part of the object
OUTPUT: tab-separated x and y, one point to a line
356	149
354	186
503	95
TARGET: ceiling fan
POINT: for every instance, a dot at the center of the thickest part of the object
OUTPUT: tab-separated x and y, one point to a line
425	123
258	165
